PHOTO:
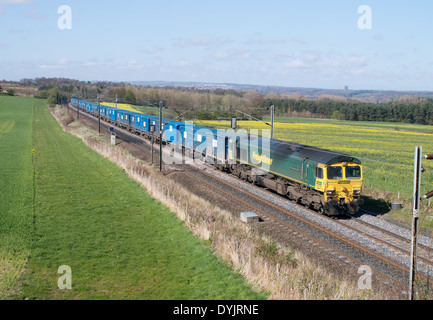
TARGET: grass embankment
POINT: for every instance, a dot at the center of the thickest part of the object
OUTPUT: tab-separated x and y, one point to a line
16	190
89	215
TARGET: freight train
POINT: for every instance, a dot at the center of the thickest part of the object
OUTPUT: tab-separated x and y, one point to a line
324	180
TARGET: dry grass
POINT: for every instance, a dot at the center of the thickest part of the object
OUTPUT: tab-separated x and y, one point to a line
284	273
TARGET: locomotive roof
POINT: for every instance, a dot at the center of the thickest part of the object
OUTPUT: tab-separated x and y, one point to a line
311	153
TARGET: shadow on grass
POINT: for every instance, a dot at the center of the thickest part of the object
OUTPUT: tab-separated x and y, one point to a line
374	207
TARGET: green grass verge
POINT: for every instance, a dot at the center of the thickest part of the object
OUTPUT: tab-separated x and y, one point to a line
119	242
16	190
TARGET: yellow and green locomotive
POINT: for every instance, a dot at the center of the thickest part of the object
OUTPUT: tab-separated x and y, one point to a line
323	180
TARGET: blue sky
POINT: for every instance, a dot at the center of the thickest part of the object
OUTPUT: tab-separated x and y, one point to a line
286	43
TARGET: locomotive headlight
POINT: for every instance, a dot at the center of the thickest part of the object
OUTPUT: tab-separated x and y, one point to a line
330	192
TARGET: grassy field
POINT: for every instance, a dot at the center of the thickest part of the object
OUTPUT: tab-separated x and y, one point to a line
86	213
385	149
16	190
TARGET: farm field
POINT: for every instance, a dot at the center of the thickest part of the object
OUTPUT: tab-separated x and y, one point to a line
71	206
16	190
385	149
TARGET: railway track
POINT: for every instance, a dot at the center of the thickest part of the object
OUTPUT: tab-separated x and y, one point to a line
384	241
310	231
399	244
343	245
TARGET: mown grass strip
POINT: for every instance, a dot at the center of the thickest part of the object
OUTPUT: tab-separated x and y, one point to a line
119	242
16	190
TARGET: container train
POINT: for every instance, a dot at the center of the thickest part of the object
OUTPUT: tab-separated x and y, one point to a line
324	180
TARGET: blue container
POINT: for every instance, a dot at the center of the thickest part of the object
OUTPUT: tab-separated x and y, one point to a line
103	110
172	132
123	117
138	121
111	113
74	102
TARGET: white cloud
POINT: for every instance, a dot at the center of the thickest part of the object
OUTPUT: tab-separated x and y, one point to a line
11	2
59	64
378	37
34	14
357	61
130	65
326	62
317	60
295	64
184	63
233	54
153	50
200	41
298	40
16	1
265	41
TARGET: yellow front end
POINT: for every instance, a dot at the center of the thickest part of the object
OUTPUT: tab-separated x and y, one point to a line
341	186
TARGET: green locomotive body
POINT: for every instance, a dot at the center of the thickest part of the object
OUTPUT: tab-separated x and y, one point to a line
324	180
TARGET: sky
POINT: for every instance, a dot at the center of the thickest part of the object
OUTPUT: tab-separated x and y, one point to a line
311	43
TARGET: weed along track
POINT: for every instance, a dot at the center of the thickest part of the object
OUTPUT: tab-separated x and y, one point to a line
290	224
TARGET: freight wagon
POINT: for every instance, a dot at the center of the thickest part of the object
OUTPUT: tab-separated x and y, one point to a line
323	180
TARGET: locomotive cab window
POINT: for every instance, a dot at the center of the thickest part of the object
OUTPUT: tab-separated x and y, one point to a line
335	173
353	172
319	173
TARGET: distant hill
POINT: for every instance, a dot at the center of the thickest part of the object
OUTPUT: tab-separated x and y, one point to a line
375	96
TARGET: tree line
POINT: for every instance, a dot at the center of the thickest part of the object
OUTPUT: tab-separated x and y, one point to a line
420	112
211	104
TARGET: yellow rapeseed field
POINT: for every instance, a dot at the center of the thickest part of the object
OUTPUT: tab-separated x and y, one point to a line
385	149
123	106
